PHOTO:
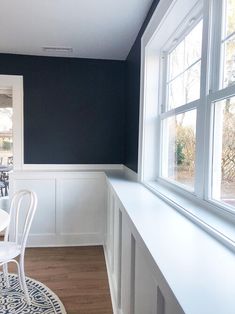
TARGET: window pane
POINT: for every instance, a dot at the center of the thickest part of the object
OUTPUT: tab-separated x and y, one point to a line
192	83
176	61
230	16
176	96
178	143
229	62
183	84
185	88
193	45
223	181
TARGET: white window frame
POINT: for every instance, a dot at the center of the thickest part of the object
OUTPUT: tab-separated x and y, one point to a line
193	205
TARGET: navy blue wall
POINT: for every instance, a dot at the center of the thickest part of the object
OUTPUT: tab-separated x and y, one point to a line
133	93
73	109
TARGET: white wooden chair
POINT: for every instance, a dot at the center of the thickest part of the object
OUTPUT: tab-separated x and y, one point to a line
14	243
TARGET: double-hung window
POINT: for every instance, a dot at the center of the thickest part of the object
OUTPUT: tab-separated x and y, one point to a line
181	89
188	103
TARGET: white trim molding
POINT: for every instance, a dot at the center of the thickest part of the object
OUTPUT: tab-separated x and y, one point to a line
72	167
130	174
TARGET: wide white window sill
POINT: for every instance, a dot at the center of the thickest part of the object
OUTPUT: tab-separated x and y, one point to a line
218	223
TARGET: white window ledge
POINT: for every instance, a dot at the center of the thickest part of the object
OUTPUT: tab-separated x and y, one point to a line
198	268
219	223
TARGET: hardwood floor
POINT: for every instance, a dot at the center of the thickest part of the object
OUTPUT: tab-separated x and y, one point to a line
76	274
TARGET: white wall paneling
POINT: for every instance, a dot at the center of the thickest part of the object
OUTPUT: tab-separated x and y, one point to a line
113	246
168	264
108	244
126	269
149	259
71	206
44	220
145	285
137	284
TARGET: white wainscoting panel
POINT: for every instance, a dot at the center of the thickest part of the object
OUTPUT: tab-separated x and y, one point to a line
71	206
126	293
136	283
116	249
145	286
44	220
81	207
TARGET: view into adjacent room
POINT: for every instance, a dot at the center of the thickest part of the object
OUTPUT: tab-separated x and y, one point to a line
6	140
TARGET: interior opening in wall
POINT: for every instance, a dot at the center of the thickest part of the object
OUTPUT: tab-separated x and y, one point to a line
11	132
6	134
6	139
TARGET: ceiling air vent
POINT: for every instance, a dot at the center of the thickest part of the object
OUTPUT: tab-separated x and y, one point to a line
57	49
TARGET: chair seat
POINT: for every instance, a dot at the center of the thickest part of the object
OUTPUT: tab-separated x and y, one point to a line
8	251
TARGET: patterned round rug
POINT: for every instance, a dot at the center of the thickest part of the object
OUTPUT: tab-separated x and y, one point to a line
43	300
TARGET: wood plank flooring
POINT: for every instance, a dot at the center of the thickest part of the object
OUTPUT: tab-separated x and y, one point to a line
76	274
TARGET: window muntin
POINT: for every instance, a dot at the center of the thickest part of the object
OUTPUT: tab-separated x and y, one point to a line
184	64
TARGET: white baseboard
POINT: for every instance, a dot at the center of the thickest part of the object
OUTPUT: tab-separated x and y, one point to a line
62	240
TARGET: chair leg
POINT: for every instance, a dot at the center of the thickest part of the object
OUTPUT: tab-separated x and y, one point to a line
19	275
5	274
23	281
6	188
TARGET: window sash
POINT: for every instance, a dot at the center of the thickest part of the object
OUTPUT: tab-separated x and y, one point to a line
166	113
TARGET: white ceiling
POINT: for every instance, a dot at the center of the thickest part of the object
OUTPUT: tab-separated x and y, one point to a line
102	29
